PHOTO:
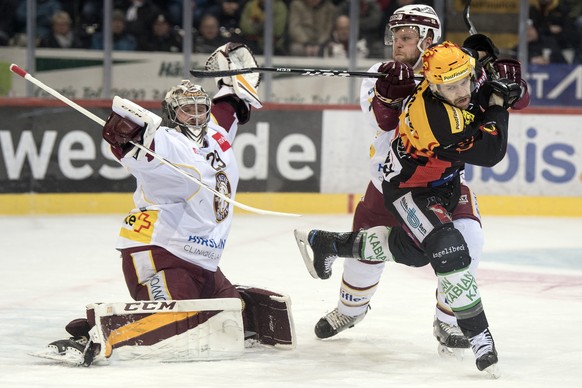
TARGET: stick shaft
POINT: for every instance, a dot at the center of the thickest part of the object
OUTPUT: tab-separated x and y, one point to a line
24	74
467	17
308	72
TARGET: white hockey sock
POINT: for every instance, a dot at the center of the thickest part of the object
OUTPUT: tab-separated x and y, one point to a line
359	284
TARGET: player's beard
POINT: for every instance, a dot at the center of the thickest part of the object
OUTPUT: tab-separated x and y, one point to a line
462	102
402	56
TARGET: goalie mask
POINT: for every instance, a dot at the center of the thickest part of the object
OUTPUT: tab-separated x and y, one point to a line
186	108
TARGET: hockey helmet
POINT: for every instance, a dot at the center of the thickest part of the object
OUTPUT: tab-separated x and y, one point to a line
421	17
446	63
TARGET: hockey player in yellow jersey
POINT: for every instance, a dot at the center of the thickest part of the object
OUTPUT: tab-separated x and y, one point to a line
455	116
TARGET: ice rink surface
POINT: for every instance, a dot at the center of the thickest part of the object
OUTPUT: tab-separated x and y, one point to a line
530	280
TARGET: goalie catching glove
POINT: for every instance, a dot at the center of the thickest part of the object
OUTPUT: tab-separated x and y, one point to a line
232	56
130	123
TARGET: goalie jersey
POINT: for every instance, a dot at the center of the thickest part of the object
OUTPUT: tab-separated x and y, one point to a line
164	198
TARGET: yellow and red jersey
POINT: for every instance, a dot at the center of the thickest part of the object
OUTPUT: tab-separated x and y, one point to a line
434	140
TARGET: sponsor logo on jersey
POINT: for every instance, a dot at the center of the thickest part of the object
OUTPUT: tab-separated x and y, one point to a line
202	252
222	142
207	242
139	226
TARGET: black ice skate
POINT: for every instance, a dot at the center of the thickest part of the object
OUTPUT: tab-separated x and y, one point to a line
326	247
334	322
485	353
73	351
452	341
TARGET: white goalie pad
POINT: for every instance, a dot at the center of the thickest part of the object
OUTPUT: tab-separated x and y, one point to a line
246	91
169	331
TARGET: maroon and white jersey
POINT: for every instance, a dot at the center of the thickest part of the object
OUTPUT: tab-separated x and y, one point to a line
174	212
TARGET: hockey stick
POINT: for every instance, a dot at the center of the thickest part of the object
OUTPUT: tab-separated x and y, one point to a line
467	17
24	74
310	72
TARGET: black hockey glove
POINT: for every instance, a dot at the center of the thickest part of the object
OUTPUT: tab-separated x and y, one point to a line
508	90
480	42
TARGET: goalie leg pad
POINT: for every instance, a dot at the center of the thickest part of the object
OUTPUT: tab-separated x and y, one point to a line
172	330
268	317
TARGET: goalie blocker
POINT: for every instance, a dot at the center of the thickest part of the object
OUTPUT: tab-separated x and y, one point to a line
177	330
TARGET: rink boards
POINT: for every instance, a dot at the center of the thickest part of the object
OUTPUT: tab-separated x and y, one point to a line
295	158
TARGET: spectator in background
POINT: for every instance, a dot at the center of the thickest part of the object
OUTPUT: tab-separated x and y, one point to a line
162	37
338	46
140	16
542	50
122	40
252	25
7	24
45	9
229	15
553	19
209	36
310	26
172	10
91	11
61	35
370	23
200	8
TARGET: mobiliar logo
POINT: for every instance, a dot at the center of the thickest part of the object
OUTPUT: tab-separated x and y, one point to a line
540	162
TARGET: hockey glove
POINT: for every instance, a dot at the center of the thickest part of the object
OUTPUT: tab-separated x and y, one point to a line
396	84
509	69
480	42
130	122
233	56
502	92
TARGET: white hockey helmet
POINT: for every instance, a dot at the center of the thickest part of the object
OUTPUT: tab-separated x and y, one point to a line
187	100
419	16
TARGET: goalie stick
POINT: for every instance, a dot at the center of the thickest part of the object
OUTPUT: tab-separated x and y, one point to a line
27	76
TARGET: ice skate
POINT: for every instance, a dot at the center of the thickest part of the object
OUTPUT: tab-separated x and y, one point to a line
485	353
324	246
72	351
334	322
452	342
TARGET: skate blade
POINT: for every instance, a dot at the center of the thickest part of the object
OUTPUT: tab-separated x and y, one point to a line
493	371
446	352
66	359
301	238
